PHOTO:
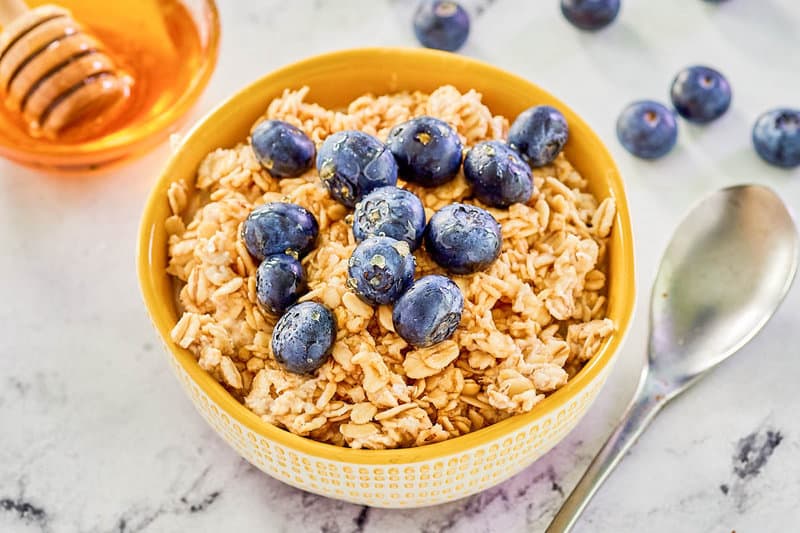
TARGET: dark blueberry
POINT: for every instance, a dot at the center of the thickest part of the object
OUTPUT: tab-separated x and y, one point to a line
277	228
590	14
441	24
647	129
463	238
303	337
427	150
539	134
700	94
352	164
284	150
381	269
390	212
499	177
776	137
280	281
428	312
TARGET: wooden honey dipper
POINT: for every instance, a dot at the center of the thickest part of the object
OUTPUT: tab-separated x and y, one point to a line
52	74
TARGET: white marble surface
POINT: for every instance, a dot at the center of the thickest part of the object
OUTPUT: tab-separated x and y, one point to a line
96	436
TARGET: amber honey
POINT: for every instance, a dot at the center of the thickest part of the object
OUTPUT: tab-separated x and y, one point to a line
161	45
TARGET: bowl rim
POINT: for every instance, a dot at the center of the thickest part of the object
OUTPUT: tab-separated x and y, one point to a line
96	152
237	411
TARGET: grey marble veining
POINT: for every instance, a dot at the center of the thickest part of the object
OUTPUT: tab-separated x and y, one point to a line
96	435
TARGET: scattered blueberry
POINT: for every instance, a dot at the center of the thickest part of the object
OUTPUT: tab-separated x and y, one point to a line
277	228
427	150
428	312
381	269
647	129
441	24
390	212
590	14
352	164
284	150
776	137
539	134
700	94
463	238
303	337
499	177
280	281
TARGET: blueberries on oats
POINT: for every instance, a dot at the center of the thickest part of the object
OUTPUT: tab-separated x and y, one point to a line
428	312
279	228
441	24
284	150
497	174
352	164
303	337
427	150
381	269
463	238
390	212
538	134
280	280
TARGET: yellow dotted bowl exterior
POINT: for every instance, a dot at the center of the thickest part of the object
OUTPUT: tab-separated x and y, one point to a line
412	477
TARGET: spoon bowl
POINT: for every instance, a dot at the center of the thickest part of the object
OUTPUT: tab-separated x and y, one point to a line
728	267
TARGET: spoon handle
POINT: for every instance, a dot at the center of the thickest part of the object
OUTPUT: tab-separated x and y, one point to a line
646	403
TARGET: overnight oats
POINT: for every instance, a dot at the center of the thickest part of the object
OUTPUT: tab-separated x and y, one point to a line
396	273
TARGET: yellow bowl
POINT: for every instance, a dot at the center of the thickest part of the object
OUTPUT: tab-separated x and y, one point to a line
411	477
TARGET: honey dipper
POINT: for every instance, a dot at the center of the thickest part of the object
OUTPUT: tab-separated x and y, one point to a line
53	74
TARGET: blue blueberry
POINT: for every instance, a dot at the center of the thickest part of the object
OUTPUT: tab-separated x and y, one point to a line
441	24
700	94
590	14
390	212
352	164
499	177
539	134
303	337
284	150
381	269
277	228
463	238
647	129
427	150
428	312
776	137
280	281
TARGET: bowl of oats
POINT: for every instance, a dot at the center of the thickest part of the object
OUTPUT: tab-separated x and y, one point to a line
394	277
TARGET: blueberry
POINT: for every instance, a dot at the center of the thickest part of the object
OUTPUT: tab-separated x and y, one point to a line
590	14
284	150
539	134
499	177
381	269
390	212
280	281
428	312
647	129
352	164
277	228
700	94
441	24
776	137
427	150
303	337
463	238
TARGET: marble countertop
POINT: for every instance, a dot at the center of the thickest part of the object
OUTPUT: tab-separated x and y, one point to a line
96	436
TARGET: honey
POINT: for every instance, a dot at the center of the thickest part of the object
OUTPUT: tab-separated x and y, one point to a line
158	43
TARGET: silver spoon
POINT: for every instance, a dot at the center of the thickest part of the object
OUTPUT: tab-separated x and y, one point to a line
729	265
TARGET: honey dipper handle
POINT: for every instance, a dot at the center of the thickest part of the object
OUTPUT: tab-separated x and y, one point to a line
10	10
